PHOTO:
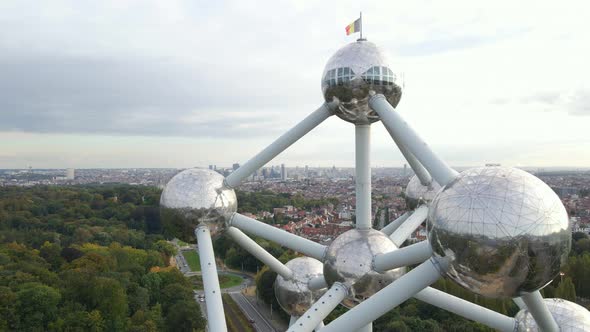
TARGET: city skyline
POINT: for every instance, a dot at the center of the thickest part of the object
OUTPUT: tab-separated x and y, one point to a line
149	84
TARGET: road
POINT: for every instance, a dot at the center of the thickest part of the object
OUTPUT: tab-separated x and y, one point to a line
260	323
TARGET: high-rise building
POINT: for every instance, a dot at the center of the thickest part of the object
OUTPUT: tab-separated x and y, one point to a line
235	166
70	174
405	170
283	172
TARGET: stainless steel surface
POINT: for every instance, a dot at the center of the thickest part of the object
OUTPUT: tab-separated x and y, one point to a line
196	197
388	298
569	316
417	193
351	73
504	231
466	309
349	260
293	294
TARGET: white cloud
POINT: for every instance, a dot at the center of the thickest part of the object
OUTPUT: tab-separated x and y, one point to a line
484	81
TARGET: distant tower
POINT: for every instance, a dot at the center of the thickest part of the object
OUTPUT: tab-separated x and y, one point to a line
70	174
405	170
283	172
211	167
235	166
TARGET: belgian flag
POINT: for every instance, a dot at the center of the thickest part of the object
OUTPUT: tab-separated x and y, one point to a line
353	27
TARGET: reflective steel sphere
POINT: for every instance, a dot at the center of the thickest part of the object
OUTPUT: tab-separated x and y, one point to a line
192	197
293	295
351	73
503	230
417	194
349	260
569	316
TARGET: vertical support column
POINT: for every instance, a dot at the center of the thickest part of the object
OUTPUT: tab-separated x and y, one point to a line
363	175
538	309
215	315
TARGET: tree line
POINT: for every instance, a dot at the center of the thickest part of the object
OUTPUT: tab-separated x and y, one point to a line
89	258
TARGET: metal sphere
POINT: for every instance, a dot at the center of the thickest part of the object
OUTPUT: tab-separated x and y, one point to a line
570	317
293	295
349	260
502	231
196	197
417	193
349	76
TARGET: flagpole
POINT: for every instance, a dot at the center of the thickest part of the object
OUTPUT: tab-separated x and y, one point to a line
361	25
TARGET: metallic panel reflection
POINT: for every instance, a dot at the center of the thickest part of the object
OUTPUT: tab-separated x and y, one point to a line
504	231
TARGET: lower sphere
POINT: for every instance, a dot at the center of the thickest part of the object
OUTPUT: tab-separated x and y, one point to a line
293	295
569	317
349	260
417	193
196	197
503	231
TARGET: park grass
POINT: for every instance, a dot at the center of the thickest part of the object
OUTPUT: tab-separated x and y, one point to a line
192	258
225	281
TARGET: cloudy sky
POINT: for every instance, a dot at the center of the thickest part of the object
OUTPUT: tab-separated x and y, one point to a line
185	83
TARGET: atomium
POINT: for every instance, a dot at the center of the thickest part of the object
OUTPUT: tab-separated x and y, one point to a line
569	316
352	74
349	260
499	232
417	193
294	295
505	231
196	197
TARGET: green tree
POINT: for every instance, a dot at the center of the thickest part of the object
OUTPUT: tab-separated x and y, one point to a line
566	290
185	316
36	306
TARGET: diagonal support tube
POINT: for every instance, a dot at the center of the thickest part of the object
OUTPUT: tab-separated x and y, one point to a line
321	309
401	132
466	309
410	255
285	239
421	172
392	226
388	298
257	251
215	315
538	309
280	145
363	175
410	225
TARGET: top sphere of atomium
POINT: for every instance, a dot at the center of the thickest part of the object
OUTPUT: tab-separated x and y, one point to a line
294	295
417	193
503	231
569	317
196	197
352	73
349	260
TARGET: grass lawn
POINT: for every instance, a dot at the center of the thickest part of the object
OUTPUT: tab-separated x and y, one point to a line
225	281
192	258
